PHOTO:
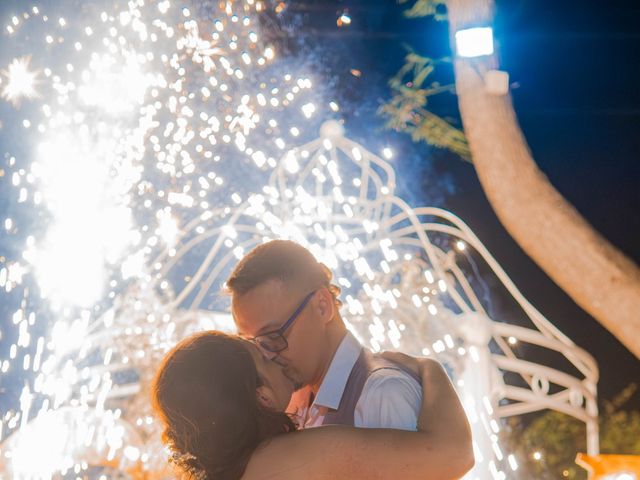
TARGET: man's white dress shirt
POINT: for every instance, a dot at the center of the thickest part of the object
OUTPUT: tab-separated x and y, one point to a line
390	398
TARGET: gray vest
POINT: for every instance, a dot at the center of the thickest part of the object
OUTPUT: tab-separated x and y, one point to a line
366	364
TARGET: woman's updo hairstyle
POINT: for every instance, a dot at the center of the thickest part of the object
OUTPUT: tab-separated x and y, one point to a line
204	393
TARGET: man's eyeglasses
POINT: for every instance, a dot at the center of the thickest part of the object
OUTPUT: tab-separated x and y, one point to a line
274	341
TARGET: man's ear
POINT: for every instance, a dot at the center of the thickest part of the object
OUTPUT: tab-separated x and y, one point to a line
326	305
264	398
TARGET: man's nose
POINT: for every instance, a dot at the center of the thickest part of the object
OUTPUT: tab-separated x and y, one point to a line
278	360
267	355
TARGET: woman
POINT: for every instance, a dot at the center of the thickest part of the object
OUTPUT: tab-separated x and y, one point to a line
222	405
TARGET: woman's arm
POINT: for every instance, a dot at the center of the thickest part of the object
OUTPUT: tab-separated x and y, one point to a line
441	449
446	416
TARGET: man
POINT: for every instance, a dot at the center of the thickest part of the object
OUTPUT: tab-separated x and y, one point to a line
283	300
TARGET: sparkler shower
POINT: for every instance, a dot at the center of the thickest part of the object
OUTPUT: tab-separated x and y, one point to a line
151	144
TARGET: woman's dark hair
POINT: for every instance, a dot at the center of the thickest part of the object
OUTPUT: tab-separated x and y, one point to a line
204	393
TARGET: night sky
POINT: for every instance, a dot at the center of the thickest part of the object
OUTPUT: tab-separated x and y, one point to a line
575	73
577	97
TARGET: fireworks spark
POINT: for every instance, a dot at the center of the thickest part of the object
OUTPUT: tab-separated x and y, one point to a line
21	81
166	142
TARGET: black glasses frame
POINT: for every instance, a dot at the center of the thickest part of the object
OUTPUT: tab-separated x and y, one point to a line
267	340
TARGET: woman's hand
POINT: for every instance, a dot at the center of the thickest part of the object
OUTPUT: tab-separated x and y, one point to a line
442	416
416	364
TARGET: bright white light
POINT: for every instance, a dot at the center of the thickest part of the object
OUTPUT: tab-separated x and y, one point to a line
344	20
70	269
308	109
114	88
291	162
132	453
429	276
474	42
91	226
50	437
621	476
127	130
133	265
21	81
167	227
58	435
164	6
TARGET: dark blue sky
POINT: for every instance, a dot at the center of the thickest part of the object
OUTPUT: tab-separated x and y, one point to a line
579	107
578	102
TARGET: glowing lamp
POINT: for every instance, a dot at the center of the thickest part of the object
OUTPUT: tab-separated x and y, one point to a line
610	467
474	42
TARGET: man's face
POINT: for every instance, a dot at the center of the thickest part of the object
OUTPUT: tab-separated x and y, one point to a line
276	387
265	309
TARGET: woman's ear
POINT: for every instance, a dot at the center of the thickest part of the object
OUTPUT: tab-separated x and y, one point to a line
265	398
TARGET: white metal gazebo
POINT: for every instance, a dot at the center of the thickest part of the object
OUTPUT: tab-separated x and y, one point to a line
405	286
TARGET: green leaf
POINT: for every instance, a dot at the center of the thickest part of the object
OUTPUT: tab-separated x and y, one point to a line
407	110
425	8
559	437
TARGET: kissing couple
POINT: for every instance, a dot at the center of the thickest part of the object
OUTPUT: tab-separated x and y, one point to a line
295	395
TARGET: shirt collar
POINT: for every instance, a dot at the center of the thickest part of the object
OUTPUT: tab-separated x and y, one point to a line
335	380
